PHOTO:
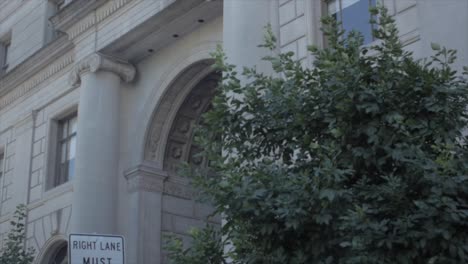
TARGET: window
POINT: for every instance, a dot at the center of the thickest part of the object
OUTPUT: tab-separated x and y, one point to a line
66	148
5	44
2	158
353	15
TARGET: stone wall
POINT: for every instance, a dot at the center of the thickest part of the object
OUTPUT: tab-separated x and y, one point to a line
181	214
300	27
293	27
26	21
29	106
7	205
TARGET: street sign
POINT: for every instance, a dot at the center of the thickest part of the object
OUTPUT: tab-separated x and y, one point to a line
95	249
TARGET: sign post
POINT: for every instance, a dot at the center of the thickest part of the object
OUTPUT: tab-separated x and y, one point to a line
95	249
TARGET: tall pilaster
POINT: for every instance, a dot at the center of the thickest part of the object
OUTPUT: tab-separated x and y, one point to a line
97	153
244	25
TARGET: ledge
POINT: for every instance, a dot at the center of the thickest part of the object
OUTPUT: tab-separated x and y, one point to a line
25	70
74	12
80	15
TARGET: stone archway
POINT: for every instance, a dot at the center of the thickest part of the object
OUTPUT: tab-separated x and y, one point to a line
167	107
180	146
55	251
160	201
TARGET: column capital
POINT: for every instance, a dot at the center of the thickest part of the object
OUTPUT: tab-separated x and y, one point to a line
100	62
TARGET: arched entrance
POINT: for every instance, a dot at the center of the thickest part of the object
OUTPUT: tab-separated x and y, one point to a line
180	146
60	255
160	201
55	252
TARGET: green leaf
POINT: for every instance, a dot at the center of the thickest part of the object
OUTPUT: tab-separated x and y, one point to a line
435	46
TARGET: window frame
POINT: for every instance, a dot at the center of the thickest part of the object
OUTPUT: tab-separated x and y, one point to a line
5	53
59	178
325	11
52	152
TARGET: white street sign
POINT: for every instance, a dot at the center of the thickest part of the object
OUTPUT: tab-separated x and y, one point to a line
95	249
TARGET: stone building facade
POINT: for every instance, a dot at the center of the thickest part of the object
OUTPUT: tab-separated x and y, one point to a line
98	99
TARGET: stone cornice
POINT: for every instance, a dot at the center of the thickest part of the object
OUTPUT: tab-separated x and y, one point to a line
37	69
100	62
34	64
80	15
74	12
145	177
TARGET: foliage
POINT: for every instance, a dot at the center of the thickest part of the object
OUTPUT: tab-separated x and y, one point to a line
206	247
13	251
359	159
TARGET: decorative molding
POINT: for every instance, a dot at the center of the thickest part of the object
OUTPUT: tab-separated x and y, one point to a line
35	70
100	62
73	12
177	87
145	177
179	145
41	76
77	18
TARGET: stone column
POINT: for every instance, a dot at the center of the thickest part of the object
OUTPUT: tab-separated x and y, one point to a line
97	153
244	28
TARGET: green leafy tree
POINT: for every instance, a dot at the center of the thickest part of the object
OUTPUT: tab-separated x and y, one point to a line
207	247
359	159
14	251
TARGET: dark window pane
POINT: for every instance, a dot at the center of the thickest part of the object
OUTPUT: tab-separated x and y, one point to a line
64	129
62	175
71	169
63	152
1	164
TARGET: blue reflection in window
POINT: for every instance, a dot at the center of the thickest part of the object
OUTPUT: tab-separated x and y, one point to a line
354	15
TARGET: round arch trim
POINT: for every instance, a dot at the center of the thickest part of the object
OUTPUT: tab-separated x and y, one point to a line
152	108
50	246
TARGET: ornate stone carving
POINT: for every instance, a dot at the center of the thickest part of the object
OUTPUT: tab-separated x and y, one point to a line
100	62
145	177
176	152
179	146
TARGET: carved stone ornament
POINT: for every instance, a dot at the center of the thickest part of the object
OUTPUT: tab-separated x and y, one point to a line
180	147
100	62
